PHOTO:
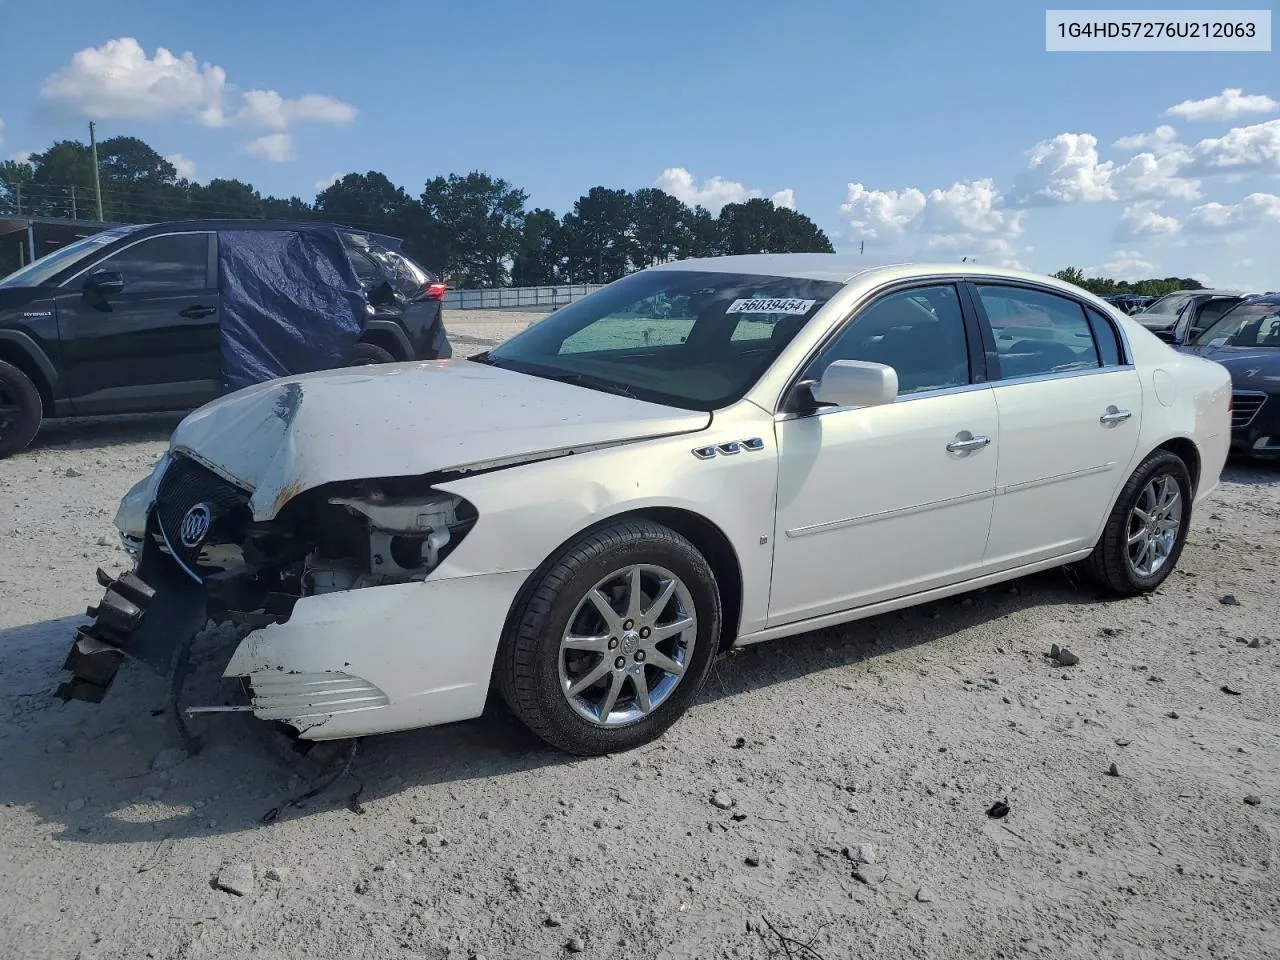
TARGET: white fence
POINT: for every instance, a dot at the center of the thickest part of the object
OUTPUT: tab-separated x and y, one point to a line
499	298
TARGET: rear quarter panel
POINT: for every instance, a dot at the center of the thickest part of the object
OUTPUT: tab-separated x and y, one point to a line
1185	397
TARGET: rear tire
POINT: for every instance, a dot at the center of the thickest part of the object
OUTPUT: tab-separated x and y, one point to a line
1145	533
562	637
21	409
363	354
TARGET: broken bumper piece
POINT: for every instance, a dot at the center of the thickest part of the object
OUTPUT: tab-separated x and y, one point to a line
148	615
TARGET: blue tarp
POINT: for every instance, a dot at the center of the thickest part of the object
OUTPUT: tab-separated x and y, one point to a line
291	303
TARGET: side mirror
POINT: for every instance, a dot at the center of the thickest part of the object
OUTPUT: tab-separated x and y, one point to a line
857	383
105	281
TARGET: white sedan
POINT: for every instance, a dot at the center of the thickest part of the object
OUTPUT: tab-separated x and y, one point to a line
703	454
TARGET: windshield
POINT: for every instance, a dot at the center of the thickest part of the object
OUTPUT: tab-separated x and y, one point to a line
1165	309
38	271
1248	325
687	339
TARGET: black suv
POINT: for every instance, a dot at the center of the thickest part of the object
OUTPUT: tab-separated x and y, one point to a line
169	316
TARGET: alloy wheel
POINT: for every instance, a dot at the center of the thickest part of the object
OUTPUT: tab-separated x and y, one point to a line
1153	525
627	645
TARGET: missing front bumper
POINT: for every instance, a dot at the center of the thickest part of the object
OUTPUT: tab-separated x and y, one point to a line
149	615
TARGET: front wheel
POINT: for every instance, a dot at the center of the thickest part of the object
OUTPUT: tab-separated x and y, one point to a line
364	354
1144	535
613	641
20	409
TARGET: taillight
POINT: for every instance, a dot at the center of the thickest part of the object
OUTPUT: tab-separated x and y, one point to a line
435	291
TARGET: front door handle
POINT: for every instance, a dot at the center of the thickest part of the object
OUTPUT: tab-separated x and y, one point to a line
1114	416
197	311
965	441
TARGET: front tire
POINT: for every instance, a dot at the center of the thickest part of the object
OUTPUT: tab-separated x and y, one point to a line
613	641
21	409
1145	533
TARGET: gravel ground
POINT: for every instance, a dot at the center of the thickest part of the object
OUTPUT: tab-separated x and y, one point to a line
887	741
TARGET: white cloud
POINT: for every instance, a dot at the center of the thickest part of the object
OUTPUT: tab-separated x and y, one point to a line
22	156
1254	211
1241	150
276	147
268	108
967	219
1229	104
324	183
186	168
714	194
1064	169
1144	220
1155	175
1162	140
119	81
1123	265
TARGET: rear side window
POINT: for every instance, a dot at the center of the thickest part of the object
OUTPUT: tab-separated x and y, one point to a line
173	263
1108	340
1037	333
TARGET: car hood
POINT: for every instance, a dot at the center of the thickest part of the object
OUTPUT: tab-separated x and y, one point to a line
1252	368
281	438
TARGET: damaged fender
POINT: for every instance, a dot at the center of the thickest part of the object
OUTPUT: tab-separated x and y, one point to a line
379	659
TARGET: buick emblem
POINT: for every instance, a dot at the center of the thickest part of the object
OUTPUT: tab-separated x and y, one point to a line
195	525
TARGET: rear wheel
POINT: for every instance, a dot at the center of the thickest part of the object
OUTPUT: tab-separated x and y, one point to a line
614	640
363	354
1147	528
21	409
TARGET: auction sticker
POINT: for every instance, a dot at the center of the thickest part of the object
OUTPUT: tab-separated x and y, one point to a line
786	305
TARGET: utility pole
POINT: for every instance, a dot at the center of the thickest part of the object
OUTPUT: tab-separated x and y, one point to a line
73	202
97	185
862	245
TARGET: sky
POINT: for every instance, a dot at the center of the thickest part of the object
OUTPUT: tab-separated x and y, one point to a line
935	130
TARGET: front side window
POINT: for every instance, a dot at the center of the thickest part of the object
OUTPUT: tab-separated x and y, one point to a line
919	332
1037	333
45	268
1210	313
172	263
1250	324
692	339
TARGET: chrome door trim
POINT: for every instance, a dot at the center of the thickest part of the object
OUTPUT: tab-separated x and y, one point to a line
829	525
1056	478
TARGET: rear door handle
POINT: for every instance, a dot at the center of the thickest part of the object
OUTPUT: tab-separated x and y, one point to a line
965	441
197	311
1113	416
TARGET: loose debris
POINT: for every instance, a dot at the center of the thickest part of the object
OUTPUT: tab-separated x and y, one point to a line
1062	656
1113	771
998	810
721	800
1253	800
1229	600
1228	690
236	878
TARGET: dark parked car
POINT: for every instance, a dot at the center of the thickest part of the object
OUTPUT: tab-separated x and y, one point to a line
169	316
1247	342
1180	317
1129	303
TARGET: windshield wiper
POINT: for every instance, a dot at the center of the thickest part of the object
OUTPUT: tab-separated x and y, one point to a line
585	380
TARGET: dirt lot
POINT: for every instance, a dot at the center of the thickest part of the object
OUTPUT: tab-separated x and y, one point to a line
892	737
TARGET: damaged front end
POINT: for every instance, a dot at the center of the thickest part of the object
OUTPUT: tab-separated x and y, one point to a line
201	556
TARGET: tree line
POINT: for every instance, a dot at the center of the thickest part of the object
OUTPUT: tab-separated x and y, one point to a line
474	229
1106	287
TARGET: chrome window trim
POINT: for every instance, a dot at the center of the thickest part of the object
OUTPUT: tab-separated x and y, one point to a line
964	388
1101	307
134	243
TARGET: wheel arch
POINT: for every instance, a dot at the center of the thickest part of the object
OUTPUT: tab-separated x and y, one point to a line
1186	450
14	350
390	337
703	533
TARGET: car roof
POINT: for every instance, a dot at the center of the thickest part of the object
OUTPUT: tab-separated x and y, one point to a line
842	267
